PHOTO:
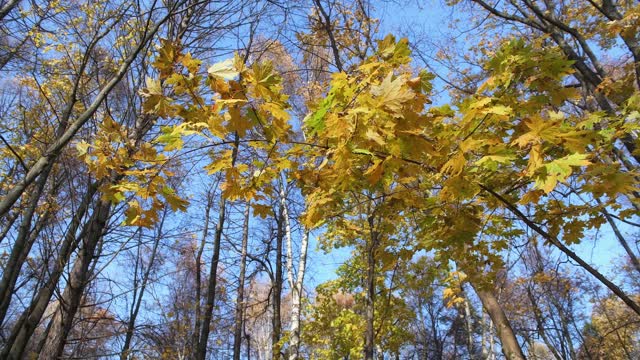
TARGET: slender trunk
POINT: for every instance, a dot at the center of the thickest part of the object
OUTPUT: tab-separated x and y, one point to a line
237	331
483	337
294	342
201	348
71	300
369	339
623	242
14	273
11	218
26	324
468	325
510	347
295	285
21	247
564	327
198	274
492	341
277	289
537	314
137	302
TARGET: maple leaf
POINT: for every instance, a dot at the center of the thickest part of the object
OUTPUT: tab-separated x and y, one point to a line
190	63
220	163
175	202
315	120
559	170
164	60
262	211
375	171
224	70
82	148
276	110
392	94
372	134
455	164
171	137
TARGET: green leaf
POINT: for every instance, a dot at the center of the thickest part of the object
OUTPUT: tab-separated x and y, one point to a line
559	170
362	152
315	121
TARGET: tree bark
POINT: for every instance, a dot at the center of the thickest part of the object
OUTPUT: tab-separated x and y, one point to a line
369	339
71	300
510	347
21	247
277	289
239	318
198	274
30	318
7	8
623	242
201	347
26	237
468	324
295	285
296	300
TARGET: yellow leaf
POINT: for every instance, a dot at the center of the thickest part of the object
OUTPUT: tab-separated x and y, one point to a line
455	164
224	70
374	172
222	162
82	148
392	94
260	210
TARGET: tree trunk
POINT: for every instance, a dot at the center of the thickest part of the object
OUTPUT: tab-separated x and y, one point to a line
296	294
277	289
468	324
510	347
201	350
295	285
26	324
369	339
201	347
623	241
21	247
237	331
198	274
4	10
62	321
138	301
537	314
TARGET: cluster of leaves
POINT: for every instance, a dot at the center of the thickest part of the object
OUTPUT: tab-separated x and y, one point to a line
374	147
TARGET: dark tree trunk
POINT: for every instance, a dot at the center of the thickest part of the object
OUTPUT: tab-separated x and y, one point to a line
79	277
237	332
277	289
369	339
201	349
